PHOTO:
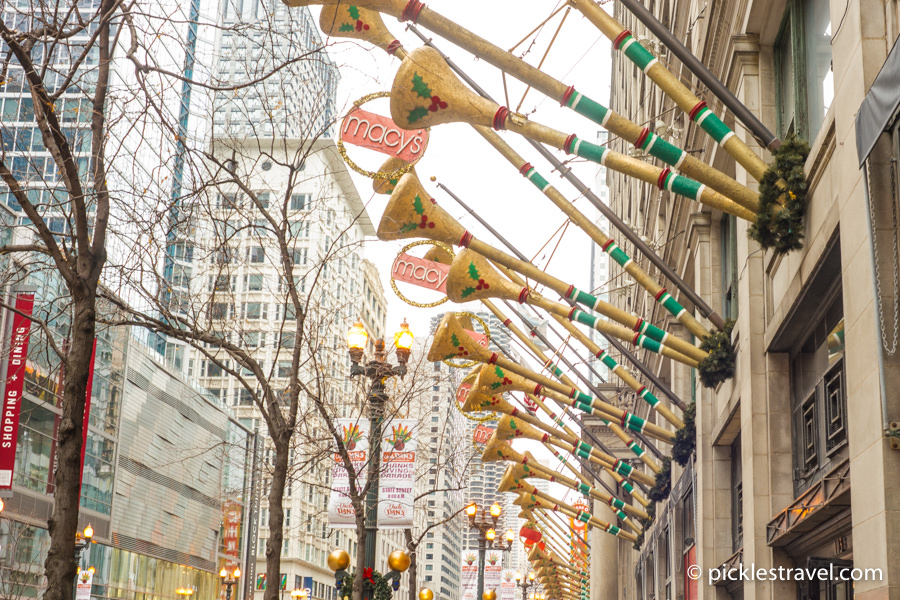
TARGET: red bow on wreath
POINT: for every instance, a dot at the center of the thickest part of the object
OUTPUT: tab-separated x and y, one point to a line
367	574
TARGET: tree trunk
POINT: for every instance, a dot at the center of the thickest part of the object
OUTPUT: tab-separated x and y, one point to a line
276	513
360	549
60	567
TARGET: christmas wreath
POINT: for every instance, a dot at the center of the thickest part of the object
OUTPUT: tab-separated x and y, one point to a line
660	491
372	580
779	223
686	437
719	365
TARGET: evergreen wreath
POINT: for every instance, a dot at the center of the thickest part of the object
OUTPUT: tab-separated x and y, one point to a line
719	365
382	587
781	227
686	437
660	491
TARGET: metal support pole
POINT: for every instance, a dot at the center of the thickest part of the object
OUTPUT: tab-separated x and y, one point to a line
376	413
481	551
694	65
614	219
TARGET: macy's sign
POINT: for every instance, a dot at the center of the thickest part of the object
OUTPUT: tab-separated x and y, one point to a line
368	130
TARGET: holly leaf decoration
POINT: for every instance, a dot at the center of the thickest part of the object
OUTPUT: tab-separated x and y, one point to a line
454	339
467	292
354	12
420	87
473	272
512	424
417	205
408	227
417	113
495	385
499	372
346	27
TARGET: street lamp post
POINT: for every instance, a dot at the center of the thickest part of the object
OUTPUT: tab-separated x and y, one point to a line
229	580
488	538
82	541
378	371
524	582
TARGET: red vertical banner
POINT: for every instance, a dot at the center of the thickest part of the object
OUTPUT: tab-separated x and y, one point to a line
15	381
690	566
87	407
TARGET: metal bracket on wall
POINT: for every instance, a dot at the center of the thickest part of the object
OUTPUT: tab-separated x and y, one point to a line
894	433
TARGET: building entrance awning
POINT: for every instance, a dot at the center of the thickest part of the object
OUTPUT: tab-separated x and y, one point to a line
878	109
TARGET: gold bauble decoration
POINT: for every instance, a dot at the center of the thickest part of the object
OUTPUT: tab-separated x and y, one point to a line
398	560
489	595
338	559
426	594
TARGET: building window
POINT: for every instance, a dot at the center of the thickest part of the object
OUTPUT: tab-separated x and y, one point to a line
256	254
299	201
737	496
253	283
818	397
729	267
804	79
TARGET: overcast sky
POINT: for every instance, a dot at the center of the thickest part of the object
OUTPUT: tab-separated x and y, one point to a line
461	160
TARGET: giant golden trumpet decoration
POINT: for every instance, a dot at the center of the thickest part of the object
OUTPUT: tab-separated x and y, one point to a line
424	76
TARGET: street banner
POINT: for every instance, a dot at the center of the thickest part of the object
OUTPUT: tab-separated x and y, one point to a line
469	575
493	571
376	132
507	586
396	484
83	584
355	438
421	272
232	518
15	382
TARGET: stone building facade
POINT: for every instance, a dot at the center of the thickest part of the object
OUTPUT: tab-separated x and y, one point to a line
794	466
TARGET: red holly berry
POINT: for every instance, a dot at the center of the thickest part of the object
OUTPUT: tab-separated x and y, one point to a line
436	103
431	225
361	26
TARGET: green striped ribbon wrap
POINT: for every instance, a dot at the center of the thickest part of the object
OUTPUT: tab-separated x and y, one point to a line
627	487
623	469
634	422
613	530
582	453
670	304
617	254
650	344
648	397
639	55
582	397
712	124
609	361
635	448
583	407
586	107
583	516
622	515
592	302
584	488
591	152
534	177
554	369
616	503
683	186
663	150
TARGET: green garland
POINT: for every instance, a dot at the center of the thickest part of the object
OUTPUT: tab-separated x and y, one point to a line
719	365
686	437
777	227
382	587
660	491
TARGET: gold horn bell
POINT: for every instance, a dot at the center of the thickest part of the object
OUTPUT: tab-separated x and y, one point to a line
452	341
387	185
350	20
426	92
412	213
473	277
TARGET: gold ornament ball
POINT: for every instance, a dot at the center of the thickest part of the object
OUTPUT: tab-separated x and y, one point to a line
338	559
426	594
433	178
489	595
398	560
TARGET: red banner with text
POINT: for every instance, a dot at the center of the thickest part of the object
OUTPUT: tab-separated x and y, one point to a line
15	380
